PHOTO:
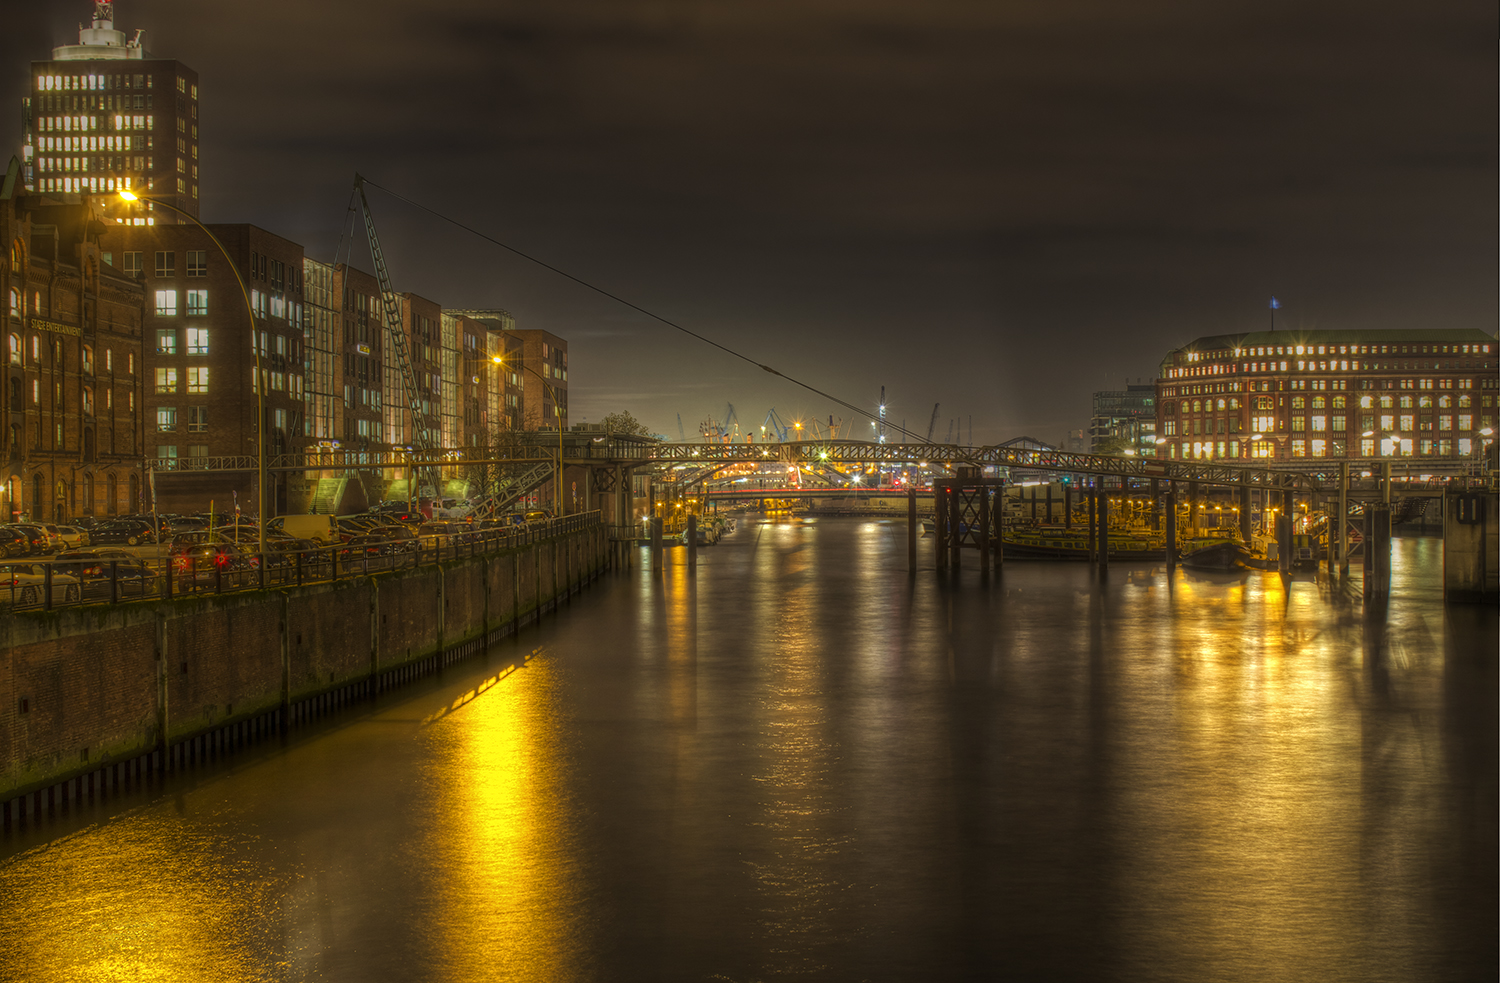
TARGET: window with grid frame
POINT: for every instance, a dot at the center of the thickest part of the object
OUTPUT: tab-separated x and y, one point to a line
197	379
197	341
197	262
197	303
166	263
166	418
166	380
197	418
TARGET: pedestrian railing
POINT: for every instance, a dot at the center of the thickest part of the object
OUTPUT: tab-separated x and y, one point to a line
72	582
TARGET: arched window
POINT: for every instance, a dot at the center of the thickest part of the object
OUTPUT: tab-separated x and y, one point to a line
88	359
88	401
13	349
15	302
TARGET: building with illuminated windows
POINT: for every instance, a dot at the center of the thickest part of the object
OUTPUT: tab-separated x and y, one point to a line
201	389
103	115
1290	396
1125	418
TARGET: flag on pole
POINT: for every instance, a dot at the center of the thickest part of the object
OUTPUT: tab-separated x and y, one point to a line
1275	304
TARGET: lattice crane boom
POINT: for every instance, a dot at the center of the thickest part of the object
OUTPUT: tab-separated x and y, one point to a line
422	440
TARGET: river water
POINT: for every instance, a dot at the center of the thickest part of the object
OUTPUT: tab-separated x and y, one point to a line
799	762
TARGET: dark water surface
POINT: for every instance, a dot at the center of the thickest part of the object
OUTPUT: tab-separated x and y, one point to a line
800	763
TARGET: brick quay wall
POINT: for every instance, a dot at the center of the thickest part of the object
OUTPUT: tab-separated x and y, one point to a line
99	696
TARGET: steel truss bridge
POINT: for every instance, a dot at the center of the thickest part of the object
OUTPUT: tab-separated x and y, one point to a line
583	450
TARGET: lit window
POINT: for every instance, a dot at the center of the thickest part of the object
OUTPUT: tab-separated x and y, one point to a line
197	379
166	418
166	303
197	341
197	303
166	341
14	347
166	380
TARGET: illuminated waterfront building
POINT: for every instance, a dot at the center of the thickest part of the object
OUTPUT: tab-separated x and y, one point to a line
1292	395
1127	417
103	115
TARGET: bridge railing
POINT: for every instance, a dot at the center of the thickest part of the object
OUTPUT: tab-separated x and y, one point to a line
47	584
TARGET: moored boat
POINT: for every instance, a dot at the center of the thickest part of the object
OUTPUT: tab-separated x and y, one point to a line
1214	553
1060	543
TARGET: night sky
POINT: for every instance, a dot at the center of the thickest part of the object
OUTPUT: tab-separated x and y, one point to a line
999	206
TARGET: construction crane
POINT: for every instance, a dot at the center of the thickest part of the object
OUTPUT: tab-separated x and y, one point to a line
731	423
950	431
420	437
681	433
933	422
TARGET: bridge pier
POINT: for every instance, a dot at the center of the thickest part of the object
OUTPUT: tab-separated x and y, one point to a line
1068	507
1284	535
1244	500
940	526
997	505
956	536
1155	504
692	541
656	550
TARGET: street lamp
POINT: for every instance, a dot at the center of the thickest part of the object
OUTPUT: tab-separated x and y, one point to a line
260	382
556	412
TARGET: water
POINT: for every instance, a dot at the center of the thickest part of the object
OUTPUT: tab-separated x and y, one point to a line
803	764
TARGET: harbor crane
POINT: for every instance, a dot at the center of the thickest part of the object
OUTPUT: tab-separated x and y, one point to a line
933	422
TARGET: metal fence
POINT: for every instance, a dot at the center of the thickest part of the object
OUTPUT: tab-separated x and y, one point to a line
67	582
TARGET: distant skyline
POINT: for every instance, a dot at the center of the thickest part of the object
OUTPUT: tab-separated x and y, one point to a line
1002	208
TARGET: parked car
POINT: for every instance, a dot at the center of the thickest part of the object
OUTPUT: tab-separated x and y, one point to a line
93	570
131	532
67	537
41	540
323	528
14	542
206	562
437	534
23	584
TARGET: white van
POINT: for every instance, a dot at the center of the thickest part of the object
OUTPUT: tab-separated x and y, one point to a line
318	528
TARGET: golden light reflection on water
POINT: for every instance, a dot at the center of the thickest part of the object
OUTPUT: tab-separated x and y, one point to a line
500	838
165	901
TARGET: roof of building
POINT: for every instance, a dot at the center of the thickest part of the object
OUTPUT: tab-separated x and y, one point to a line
1357	336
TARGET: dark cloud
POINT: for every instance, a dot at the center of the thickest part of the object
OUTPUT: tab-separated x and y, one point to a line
998	206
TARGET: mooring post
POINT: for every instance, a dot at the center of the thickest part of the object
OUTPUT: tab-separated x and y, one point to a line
1284	534
1377	545
1343	518
955	516
1385	483
1049	501
1093	497
1171	510
656	557
911	529
940	524
1156	505
1244	510
998	524
984	527
1103	529
1193	508
692	541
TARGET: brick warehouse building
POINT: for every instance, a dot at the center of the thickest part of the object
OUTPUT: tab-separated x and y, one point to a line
200	384
1346	395
103	115
72	413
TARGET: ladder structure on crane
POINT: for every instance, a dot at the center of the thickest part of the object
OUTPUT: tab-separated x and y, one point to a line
421	437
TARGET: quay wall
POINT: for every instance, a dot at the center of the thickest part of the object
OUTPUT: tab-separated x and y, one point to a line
85	690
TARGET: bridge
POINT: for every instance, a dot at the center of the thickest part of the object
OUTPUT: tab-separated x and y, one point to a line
585	450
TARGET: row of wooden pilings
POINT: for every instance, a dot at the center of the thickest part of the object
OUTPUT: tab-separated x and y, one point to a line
969	511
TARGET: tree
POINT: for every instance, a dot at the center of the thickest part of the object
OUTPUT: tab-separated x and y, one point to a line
1110	445
623	422
484	470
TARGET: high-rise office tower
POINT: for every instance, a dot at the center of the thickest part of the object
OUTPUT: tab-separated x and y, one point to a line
103	115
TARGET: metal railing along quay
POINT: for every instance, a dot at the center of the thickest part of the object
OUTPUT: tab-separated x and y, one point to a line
63	582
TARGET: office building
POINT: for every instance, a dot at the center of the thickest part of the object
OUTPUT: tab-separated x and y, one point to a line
104	115
1290	396
1124	420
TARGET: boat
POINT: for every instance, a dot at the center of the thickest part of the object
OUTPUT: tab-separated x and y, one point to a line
1214	552
1061	543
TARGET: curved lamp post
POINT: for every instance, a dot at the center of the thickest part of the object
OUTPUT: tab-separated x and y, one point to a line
260	407
557	412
